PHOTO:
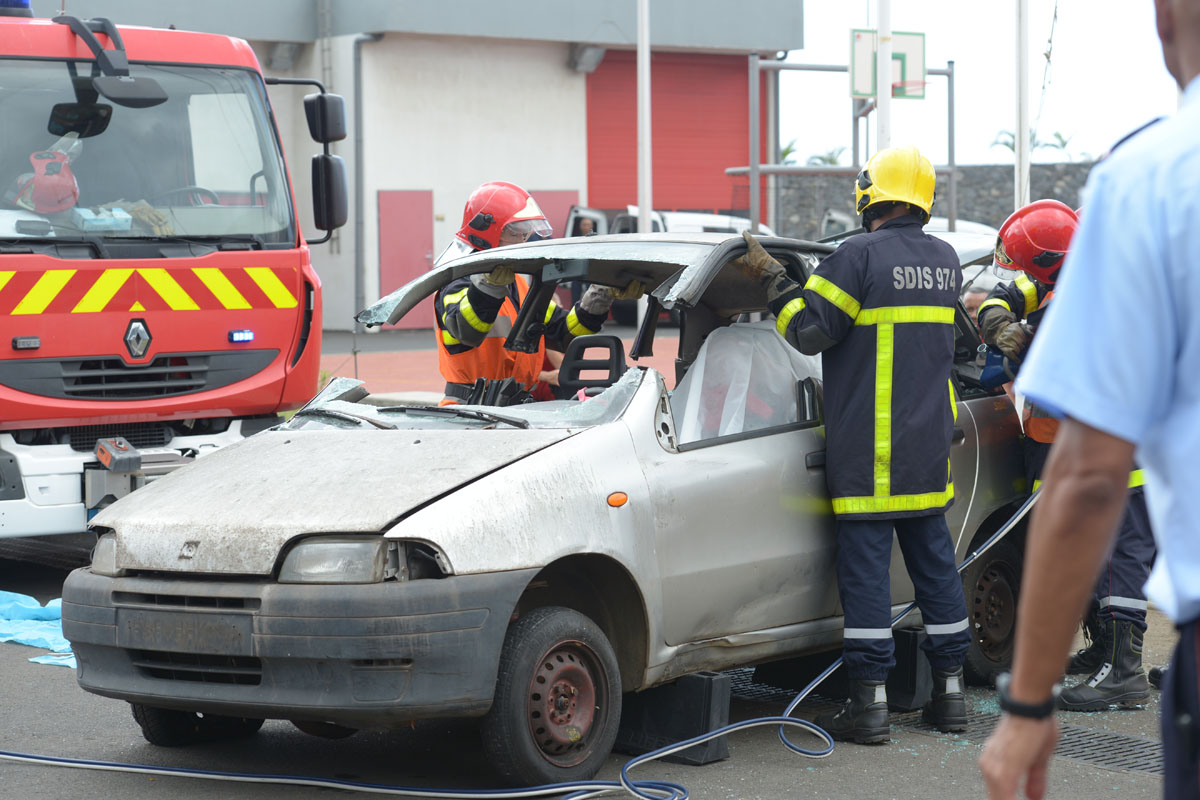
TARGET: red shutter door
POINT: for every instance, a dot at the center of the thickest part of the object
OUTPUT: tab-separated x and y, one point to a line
406	247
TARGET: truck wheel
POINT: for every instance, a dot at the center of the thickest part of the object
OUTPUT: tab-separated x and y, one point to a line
992	585
558	700
167	728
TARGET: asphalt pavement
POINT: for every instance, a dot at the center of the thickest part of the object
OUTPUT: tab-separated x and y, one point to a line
1104	755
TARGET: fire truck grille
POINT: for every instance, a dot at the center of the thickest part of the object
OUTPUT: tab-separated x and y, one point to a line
110	378
239	670
141	435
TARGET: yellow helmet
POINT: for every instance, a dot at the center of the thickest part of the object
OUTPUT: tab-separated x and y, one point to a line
896	175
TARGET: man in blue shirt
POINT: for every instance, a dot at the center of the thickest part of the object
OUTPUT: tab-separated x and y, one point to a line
1120	386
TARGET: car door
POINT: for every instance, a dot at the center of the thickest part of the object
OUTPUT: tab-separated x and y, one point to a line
744	526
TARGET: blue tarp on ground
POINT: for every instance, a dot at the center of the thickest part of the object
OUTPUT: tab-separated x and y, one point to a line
24	620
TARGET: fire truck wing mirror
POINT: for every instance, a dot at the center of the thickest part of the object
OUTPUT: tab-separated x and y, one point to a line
330	206
84	119
125	90
326	115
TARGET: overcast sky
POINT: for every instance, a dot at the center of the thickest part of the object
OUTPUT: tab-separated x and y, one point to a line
1106	76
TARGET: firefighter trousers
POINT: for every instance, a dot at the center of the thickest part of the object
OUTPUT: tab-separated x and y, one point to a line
864	553
1119	592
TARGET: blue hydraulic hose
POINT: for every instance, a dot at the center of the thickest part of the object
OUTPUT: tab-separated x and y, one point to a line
574	790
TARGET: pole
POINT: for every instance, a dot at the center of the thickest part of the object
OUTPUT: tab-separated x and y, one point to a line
360	201
952	182
883	77
754	154
1021	139
645	187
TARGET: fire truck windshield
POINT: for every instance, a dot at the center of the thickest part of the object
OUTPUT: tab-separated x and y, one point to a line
206	164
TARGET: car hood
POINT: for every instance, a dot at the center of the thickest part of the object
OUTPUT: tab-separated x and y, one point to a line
232	511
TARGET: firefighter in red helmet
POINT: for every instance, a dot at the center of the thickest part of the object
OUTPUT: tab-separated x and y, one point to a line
1035	240
474	314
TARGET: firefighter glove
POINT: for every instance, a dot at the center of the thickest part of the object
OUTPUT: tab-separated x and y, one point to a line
151	218
597	300
1013	340
758	264
494	283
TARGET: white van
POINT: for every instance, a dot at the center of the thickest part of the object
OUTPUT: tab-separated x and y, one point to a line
670	221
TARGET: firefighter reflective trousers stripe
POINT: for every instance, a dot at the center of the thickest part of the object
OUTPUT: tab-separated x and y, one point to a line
1119	590
864	553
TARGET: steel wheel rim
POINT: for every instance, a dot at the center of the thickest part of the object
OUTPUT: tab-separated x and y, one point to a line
566	696
994	610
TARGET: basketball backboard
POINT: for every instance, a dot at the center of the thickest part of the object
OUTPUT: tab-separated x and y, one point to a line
908	63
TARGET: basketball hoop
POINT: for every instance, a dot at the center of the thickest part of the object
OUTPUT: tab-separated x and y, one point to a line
908	88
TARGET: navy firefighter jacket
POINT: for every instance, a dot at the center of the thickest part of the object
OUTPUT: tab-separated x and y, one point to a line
881	310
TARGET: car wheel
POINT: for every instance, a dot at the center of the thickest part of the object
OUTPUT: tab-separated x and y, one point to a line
992	585
167	728
557	706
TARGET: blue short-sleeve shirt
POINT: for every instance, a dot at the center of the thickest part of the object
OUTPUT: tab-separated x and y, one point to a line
1119	349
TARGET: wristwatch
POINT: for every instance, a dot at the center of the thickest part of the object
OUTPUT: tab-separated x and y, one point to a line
1017	708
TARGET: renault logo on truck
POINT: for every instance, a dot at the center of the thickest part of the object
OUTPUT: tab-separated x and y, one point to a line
137	338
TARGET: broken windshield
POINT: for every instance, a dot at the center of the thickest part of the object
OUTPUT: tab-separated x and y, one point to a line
336	407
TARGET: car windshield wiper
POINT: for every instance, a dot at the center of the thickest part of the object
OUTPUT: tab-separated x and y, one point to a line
482	416
224	241
344	415
25	244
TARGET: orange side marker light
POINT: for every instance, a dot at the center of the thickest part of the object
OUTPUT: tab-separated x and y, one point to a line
618	499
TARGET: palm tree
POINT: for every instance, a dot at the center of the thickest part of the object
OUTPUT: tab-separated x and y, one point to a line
1008	139
831	157
788	153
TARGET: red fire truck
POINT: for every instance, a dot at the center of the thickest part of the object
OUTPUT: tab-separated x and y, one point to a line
154	283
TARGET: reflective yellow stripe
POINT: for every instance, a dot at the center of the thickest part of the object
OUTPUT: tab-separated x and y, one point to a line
221	287
786	313
272	287
894	314
574	326
5	277
44	291
1029	290
833	293
884	350
900	502
995	301
550	309
468	313
1136	478
107	285
447	339
454	297
953	399
168	289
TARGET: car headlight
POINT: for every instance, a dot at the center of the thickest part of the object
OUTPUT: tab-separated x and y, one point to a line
104	557
341	559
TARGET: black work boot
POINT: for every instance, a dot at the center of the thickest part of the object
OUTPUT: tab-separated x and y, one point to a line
1157	675
863	718
947	710
1120	680
1089	659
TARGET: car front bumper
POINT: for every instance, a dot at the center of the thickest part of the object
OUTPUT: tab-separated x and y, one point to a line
363	656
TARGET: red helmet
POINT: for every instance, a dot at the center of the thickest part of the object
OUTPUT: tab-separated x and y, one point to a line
1035	239
498	209
50	187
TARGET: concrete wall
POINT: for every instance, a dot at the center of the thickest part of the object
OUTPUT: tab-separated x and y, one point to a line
985	194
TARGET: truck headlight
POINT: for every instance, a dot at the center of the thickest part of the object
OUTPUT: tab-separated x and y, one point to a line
104	557
341	559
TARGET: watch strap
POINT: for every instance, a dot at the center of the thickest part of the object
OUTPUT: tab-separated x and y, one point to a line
1020	709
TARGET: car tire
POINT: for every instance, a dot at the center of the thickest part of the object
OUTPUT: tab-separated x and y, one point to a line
992	586
168	728
557	705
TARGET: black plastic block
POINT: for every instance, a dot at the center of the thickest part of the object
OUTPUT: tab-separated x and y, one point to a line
910	683
690	706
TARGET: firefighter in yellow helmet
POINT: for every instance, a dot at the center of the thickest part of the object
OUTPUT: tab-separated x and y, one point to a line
881	309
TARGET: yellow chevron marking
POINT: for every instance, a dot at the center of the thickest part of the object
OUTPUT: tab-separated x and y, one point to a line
102	291
44	291
137	307
272	287
221	287
5	277
168	289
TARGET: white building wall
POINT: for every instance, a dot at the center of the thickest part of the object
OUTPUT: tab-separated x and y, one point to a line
443	114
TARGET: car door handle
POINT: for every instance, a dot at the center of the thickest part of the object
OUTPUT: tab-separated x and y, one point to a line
959	435
815	459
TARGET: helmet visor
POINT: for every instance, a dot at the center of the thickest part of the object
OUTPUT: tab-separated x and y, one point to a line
525	229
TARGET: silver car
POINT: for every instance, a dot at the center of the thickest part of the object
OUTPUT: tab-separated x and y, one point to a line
362	566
